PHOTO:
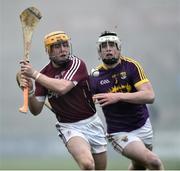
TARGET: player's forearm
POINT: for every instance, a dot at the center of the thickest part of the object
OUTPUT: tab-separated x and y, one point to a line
140	97
57	85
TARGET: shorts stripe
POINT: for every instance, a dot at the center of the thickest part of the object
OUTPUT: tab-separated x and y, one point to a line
61	135
117	146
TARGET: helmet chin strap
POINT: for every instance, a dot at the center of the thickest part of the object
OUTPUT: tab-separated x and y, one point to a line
111	61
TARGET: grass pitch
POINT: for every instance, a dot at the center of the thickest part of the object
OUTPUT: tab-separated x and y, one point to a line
59	163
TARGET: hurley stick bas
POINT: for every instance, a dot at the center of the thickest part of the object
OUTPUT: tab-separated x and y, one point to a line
46	103
29	18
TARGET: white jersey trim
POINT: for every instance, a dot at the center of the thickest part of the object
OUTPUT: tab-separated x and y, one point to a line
41	98
73	69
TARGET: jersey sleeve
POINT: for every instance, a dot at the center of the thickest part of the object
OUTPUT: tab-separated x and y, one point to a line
76	72
40	92
92	84
138	75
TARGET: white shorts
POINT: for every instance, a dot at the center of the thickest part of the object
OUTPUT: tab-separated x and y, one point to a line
121	139
90	129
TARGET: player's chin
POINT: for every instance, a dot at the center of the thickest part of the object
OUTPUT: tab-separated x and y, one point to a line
58	59
63	59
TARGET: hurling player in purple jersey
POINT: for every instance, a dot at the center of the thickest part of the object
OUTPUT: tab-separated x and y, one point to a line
65	82
122	89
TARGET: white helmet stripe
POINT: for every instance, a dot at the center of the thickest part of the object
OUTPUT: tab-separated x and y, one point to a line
109	38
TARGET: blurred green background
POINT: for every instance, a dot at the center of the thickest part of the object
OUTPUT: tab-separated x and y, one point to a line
150	32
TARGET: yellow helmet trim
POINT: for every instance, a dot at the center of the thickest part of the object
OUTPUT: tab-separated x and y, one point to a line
55	37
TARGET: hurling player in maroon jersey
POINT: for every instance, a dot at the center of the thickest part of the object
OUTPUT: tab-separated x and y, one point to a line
123	90
65	82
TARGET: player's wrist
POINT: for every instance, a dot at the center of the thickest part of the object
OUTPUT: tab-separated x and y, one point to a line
36	75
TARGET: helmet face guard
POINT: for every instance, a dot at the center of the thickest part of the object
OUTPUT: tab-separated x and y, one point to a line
108	37
55	37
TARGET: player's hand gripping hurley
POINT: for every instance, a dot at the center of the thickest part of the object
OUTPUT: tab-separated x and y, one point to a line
29	20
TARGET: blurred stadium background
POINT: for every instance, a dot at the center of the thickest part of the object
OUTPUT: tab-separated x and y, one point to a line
150	31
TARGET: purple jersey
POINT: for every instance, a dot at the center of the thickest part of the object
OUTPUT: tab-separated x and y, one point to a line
75	105
125	77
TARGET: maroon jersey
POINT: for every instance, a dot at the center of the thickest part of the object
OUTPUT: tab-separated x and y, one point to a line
125	77
75	105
